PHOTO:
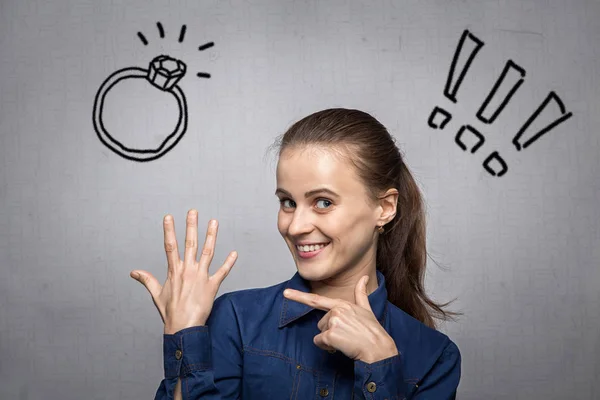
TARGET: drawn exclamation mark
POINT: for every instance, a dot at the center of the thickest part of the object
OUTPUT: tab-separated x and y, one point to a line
534	123
468	47
536	126
505	87
546	117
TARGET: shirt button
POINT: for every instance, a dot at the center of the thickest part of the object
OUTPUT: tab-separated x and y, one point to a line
178	354
324	392
371	387
331	351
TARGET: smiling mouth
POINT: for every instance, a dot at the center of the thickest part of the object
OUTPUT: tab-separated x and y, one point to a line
310	251
312	247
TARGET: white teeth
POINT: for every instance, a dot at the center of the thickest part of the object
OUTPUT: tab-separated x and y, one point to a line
312	247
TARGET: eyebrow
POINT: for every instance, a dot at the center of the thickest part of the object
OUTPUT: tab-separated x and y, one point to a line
310	193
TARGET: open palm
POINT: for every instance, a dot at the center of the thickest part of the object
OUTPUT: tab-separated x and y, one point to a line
186	299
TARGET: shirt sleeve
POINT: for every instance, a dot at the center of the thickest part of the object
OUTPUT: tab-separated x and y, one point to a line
207	359
441	382
385	379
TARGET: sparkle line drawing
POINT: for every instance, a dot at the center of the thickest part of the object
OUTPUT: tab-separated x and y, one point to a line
182	33
164	73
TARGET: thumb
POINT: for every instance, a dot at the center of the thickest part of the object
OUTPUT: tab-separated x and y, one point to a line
149	281
360	293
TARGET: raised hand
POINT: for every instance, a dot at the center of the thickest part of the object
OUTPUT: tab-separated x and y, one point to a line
186	299
350	328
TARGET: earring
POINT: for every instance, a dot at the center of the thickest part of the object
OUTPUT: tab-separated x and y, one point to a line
380	229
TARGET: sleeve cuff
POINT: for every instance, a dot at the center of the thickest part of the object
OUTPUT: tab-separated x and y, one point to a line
186	351
381	379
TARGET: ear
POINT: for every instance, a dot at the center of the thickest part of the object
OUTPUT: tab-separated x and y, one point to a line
388	204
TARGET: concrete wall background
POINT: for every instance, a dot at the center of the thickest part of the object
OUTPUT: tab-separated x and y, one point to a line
520	250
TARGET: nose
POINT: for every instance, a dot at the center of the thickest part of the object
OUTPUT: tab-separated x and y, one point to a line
301	223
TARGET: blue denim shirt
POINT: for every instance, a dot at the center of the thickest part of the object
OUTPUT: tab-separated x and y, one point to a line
259	345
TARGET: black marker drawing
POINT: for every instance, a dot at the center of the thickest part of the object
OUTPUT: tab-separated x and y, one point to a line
534	118
444	118
182	34
500	96
495	157
505	87
164	73
468	47
461	62
474	133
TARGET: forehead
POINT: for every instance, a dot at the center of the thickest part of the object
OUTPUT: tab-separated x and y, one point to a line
301	169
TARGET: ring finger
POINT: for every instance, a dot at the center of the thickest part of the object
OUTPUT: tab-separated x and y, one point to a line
208	250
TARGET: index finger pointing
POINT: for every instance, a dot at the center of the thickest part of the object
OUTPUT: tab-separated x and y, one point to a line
311	299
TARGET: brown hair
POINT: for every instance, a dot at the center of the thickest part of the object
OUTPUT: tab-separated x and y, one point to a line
401	249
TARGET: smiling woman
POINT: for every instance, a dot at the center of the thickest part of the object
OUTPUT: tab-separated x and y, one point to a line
353	322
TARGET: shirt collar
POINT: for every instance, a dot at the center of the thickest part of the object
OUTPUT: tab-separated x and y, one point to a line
292	310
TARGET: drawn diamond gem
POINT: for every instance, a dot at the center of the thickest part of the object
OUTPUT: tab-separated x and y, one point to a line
164	72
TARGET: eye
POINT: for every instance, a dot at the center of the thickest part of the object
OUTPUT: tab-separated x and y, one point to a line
283	203
288	203
325	201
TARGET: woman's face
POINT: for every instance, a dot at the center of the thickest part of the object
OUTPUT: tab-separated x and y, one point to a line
323	203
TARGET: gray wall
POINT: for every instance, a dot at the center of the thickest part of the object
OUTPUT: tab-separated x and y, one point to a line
519	251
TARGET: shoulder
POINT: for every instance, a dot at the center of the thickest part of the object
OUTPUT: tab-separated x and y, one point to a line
422	348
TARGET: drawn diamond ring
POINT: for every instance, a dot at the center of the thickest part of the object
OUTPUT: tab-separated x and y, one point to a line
163	72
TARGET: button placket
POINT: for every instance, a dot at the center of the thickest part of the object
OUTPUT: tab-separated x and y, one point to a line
326	382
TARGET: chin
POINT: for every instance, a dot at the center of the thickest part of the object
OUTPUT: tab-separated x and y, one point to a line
313	272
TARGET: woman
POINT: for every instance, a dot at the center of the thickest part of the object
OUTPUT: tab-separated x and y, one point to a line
354	322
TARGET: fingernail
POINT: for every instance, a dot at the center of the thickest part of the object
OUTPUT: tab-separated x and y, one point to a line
286	292
136	275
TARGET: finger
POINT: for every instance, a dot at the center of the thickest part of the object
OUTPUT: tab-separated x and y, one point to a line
222	272
323	323
149	282
360	294
191	238
332	317
312	299
208	250
322	341
170	244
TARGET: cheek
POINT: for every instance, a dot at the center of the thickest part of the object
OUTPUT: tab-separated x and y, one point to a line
282	222
354	231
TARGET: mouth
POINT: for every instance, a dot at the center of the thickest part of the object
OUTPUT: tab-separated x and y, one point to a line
310	251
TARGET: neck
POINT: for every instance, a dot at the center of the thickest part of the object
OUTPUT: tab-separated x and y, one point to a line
342	286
